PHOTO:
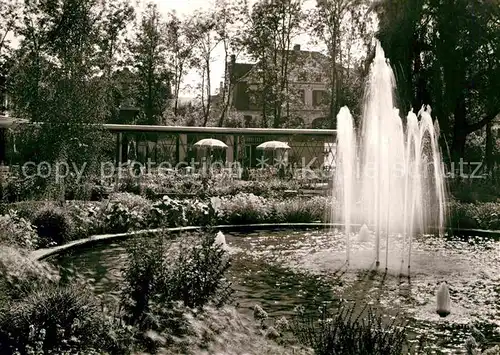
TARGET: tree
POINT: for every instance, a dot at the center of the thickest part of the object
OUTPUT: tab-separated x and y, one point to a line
341	25
149	62
207	40
182	38
56	81
447	54
272	28
116	15
230	29
9	17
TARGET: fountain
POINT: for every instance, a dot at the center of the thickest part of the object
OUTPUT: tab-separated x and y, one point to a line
393	181
443	300
220	239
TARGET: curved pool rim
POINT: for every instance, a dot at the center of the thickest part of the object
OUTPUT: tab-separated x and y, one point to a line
46	253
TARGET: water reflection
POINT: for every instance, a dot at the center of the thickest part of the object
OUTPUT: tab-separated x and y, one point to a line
281	270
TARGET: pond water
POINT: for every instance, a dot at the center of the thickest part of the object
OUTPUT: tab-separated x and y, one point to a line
282	270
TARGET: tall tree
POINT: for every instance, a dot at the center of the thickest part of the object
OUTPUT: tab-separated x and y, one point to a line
116	16
182	39
9	18
447	54
149	61
343	27
273	26
230	27
56	81
207	40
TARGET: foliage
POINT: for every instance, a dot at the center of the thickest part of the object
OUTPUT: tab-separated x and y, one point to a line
227	331
126	212
343	26
346	332
199	213
301	210
199	276
445	54
167	213
148	58
159	275
268	40
130	184
476	190
53	226
87	190
475	215
54	319
119	218
181	41
20	273
87	218
17	231
243	208
53	70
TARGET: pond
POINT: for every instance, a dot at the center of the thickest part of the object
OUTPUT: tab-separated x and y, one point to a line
281	270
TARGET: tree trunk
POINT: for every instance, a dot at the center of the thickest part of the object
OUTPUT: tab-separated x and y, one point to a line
225	89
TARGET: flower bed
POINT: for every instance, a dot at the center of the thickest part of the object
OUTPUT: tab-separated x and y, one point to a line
125	212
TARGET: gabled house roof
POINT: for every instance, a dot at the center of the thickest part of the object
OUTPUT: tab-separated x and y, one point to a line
241	70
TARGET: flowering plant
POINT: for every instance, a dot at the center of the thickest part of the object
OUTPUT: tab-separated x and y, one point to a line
243	208
15	230
167	212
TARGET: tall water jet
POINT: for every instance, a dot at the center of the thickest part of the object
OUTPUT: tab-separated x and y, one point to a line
346	156
401	187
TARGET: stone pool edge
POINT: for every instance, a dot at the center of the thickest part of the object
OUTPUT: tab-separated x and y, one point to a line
42	254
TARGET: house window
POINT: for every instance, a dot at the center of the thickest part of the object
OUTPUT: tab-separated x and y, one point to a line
302	76
319	97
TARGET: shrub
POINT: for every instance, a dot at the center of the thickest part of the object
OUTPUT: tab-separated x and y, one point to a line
17	231
159	275
199	275
53	226
130	184
481	190
198	213
20	273
25	209
349	334
119	218
167	213
88	218
488	216
145	268
130	200
243	209
54	319
17	188
89	189
126	212
472	215
301	210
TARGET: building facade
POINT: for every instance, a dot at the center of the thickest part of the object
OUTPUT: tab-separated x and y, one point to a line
308	87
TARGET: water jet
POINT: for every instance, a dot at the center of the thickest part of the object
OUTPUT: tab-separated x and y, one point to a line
400	190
